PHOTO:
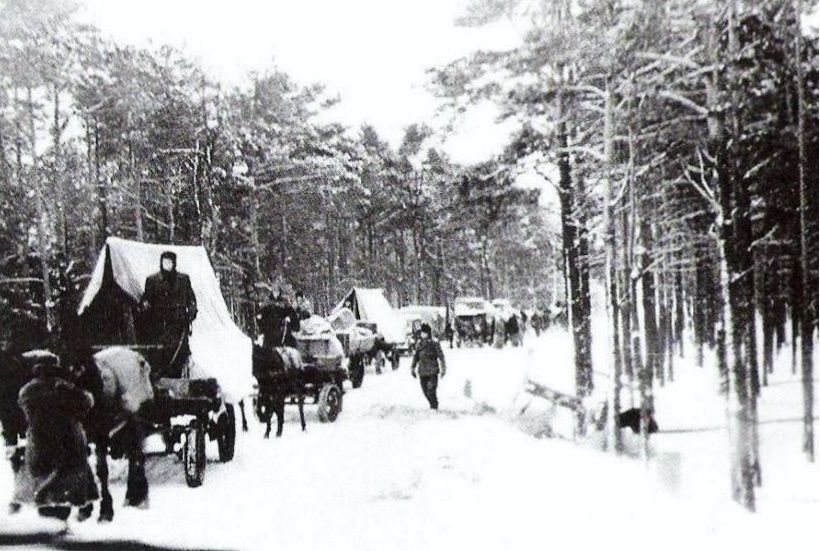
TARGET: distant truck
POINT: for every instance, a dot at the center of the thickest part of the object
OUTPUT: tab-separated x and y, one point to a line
414	315
474	318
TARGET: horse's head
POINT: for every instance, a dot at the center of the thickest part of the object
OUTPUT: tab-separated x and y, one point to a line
85	372
130	377
266	362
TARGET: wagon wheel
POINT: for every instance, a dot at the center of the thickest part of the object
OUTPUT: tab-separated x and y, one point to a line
193	455
330	402
226	434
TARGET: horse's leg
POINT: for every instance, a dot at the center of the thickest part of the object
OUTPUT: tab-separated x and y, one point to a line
279	407
268	416
264	410
301	394
106	503
136	493
244	419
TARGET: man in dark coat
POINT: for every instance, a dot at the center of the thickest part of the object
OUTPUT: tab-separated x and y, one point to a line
278	321
169	307
430	361
55	475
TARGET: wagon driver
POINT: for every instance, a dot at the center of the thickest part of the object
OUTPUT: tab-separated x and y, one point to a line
169	307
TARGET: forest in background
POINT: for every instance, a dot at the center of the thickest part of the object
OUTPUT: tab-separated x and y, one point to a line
680	135
99	139
685	134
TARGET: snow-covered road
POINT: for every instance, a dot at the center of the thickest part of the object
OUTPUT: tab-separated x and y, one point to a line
391	474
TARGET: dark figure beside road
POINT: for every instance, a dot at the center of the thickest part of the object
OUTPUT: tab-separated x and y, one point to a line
430	361
169	308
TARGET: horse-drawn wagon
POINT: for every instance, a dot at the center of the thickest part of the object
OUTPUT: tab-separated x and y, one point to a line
197	402
361	342
286	374
323	374
371	312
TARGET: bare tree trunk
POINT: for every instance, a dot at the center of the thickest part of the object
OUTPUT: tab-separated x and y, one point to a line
42	217
438	274
680	309
627	262
332	282
417	288
256	246
610	277
56	178
283	257
569	228
806	285
136	182
169	209
731	263
211	230
196	192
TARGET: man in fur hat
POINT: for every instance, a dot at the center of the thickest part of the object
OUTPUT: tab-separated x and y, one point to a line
278	321
169	307
55	475
429	359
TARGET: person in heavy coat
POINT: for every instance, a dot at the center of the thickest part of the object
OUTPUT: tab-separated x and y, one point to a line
429	359
55	475
169	307
278	321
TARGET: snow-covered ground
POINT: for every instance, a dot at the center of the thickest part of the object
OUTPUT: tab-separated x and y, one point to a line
478	474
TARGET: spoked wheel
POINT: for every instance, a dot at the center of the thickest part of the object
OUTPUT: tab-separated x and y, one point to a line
330	403
193	455
226	436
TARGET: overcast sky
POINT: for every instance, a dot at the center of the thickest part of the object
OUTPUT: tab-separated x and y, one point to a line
373	53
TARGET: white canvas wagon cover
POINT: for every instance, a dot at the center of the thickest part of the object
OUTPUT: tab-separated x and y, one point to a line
219	349
371	305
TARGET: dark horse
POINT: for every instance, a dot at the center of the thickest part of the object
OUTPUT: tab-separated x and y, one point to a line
279	375
627	418
118	378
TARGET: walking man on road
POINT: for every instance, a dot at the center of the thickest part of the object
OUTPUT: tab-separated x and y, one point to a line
430	361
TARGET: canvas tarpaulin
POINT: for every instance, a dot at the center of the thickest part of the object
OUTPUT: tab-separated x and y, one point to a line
371	305
219	349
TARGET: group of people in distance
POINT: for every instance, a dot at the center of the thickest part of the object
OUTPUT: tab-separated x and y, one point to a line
280	319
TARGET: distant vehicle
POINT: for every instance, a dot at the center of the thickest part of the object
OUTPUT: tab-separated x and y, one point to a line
371	309
358	342
414	315
473	320
412	327
502	304
503	309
